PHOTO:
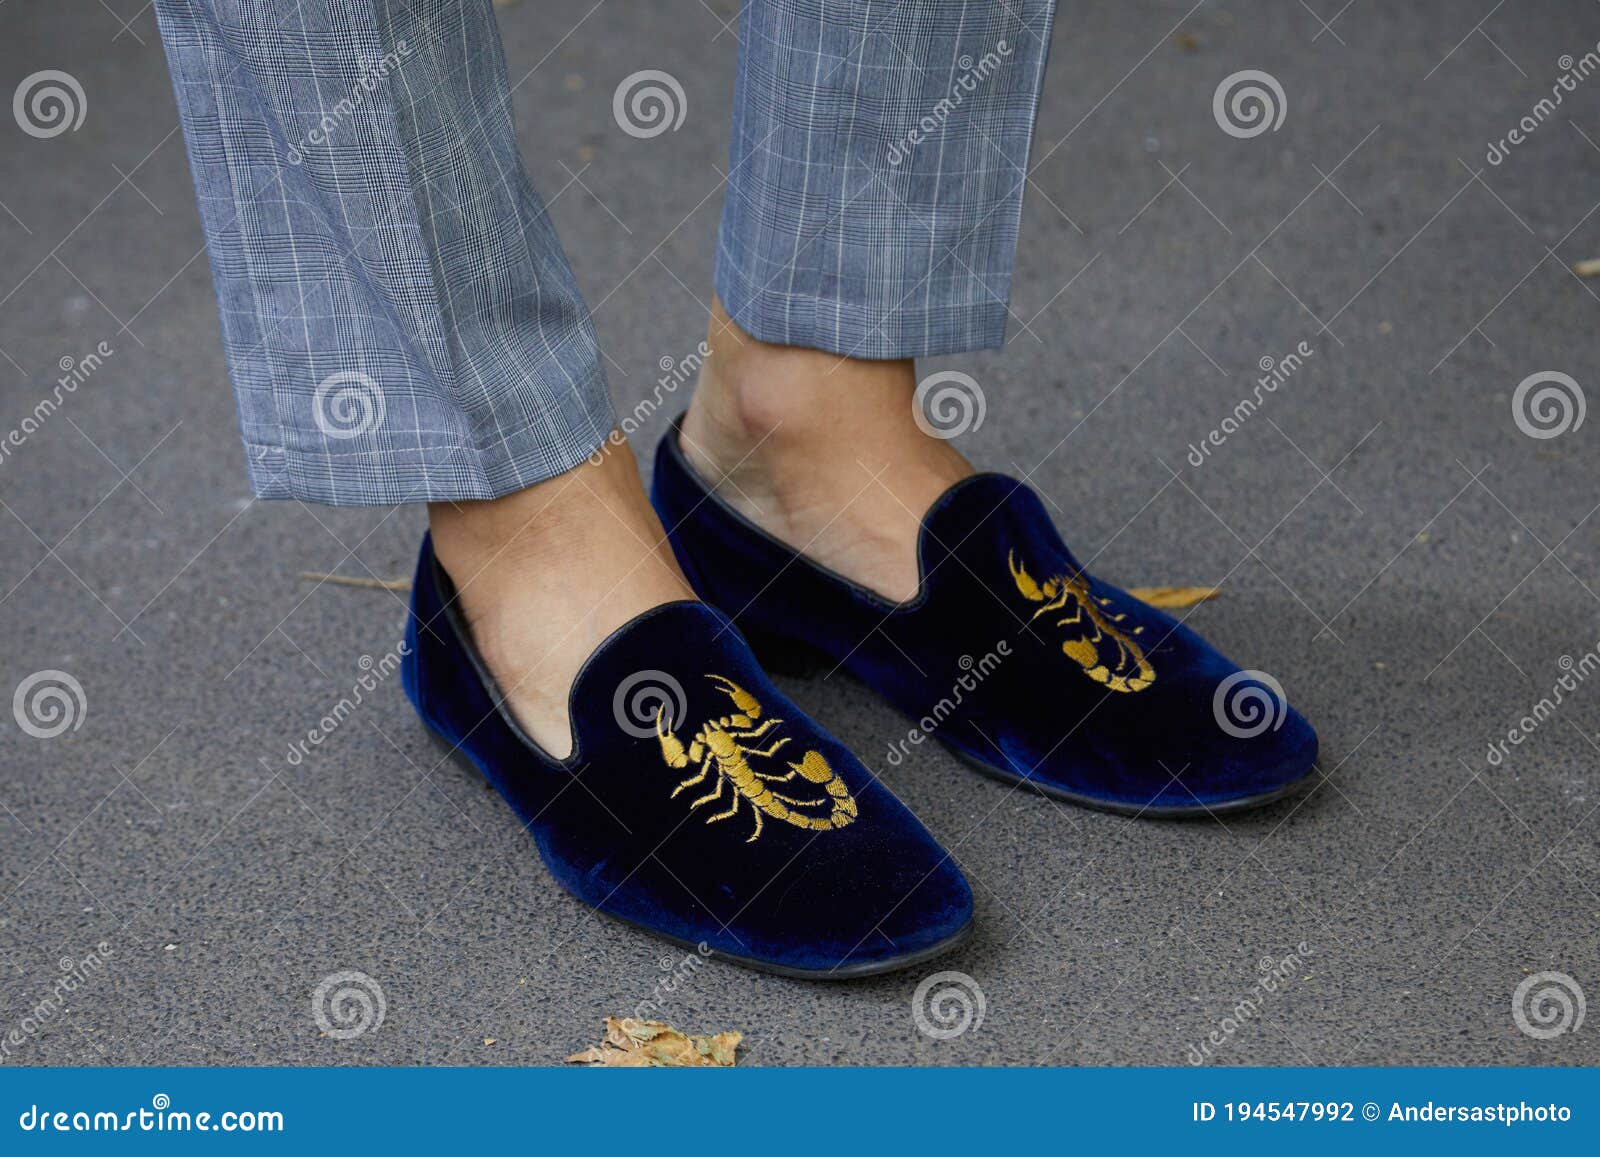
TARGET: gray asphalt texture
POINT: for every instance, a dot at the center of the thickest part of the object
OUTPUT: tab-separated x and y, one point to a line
1394	549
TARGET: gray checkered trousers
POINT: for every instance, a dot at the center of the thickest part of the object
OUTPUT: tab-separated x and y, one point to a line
400	321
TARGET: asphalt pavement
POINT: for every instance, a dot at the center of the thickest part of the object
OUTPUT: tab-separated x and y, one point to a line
1403	540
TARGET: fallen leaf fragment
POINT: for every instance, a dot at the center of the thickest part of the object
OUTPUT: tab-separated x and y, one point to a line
350	580
1174	596
631	1043
1589	268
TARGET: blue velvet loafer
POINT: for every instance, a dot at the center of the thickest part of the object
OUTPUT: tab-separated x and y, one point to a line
1011	654
698	802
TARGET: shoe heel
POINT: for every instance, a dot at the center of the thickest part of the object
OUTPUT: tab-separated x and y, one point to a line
781	655
450	752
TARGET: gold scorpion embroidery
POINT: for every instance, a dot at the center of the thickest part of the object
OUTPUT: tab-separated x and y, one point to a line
1106	652
724	747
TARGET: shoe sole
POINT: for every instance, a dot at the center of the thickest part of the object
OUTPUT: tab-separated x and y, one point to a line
839	972
1139	811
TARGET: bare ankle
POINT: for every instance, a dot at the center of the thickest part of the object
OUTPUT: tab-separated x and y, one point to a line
822	451
784	403
547	520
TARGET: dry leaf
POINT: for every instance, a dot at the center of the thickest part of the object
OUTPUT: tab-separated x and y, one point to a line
631	1043
347	580
1174	596
1589	268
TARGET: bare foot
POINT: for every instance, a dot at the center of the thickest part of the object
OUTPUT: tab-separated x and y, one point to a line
820	451
545	574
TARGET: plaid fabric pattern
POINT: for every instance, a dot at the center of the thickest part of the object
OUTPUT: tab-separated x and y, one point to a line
879	154
400	322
